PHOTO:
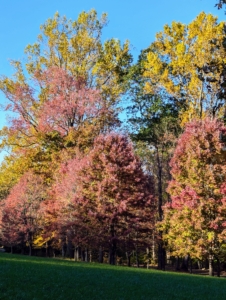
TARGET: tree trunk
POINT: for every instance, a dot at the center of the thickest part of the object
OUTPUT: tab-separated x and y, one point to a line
90	255
100	256
128	254
161	250
136	251
185	262
153	247
47	248
218	268
76	253
159	176
206	263
30	237
83	255
161	257
111	257
64	249
148	257
211	272
190	265
137	260
128	258
112	250
177	265
30	249
86	255
69	250
201	100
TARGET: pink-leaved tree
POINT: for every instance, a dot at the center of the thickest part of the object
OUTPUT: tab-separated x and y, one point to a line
194	221
103	197
20	217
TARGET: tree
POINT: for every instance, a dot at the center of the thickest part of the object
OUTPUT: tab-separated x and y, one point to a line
154	122
76	48
10	172
194	220
20	213
104	193
187	61
72	116
68	91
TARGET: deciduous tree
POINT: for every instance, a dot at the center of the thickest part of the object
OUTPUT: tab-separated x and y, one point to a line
194	220
154	128
187	61
105	193
20	217
67	92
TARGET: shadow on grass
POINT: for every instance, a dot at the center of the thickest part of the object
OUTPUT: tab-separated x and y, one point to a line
25	277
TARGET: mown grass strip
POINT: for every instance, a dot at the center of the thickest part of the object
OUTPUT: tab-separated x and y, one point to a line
33	278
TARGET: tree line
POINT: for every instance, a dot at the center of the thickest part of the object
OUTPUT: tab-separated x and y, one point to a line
79	181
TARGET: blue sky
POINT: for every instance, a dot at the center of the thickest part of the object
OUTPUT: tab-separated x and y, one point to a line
135	20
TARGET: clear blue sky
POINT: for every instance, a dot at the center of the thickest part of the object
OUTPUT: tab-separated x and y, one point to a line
135	20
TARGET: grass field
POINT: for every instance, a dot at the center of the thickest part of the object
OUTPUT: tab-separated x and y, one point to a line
30	278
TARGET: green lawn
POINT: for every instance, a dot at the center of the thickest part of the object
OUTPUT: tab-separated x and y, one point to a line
23	277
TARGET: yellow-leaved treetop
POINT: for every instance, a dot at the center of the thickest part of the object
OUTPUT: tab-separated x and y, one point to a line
67	92
76	46
187	61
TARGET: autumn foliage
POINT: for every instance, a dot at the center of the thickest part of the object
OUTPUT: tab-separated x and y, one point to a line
20	222
101	196
187	62
195	218
78	184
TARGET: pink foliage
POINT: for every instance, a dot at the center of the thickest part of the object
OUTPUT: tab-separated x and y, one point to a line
69	102
187	198
59	102
20	214
197	188
200	140
105	187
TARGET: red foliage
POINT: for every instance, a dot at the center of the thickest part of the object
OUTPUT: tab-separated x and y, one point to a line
69	102
197	212
21	214
57	103
104	194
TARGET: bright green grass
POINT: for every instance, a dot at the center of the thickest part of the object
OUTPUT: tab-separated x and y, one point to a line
30	278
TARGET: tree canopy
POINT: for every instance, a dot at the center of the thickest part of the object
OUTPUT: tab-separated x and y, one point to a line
77	182
187	61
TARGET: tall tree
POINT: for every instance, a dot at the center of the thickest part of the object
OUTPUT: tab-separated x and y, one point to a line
105	193
71	116
21	211
188	62
76	47
155	127
194	221
68	90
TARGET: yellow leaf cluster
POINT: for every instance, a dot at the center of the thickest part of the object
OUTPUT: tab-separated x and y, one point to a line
177	59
